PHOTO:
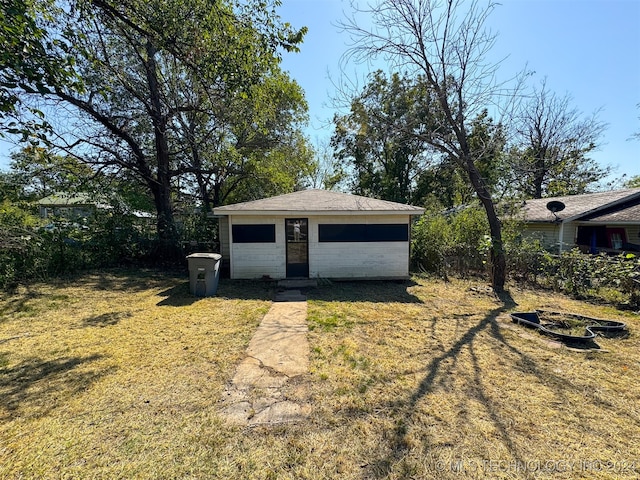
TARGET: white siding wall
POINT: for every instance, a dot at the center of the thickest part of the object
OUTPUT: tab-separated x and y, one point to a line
327	259
357	260
255	260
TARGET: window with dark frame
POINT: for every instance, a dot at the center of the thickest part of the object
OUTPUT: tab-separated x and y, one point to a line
363	232
263	233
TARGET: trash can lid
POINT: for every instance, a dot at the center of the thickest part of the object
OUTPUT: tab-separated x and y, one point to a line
213	256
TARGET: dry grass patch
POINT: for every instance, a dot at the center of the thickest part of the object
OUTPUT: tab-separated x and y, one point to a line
114	375
120	376
436	383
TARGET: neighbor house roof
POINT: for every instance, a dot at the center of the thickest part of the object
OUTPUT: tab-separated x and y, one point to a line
318	202
618	205
65	199
626	215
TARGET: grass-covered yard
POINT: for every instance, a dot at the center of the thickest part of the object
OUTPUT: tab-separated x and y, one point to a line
119	375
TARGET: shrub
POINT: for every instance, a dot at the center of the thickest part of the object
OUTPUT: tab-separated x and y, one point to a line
450	243
31	251
526	259
613	279
458	243
19	246
115	237
428	243
591	276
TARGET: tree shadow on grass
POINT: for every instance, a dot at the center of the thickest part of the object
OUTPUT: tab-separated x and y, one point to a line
180	295
106	319
438	371
365	291
177	296
20	304
442	367
560	383
247	289
35	387
355	291
137	280
114	280
120	279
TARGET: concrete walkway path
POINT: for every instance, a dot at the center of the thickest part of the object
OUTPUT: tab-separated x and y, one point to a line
261	390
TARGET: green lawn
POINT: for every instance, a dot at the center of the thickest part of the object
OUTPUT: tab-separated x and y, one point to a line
119	375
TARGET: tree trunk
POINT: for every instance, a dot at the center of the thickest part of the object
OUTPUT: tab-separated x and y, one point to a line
216	200
497	255
539	168
538	178
161	189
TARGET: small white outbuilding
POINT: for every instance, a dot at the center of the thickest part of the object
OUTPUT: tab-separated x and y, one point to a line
316	234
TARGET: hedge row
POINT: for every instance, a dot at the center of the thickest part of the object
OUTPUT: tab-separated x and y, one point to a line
457	244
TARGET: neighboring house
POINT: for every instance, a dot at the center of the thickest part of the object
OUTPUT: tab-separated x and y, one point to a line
316	233
594	222
71	206
74	206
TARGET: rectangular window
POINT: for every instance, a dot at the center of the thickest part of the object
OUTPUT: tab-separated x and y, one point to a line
617	238
254	233
362	232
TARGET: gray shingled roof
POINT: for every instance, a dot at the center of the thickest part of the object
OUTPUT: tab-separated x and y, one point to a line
318	202
626	215
580	205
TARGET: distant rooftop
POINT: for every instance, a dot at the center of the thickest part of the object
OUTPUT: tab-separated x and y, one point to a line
67	199
601	205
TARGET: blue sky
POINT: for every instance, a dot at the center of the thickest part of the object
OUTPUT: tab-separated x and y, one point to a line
589	49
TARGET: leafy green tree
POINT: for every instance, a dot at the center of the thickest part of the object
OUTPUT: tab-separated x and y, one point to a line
27	64
36	172
40	173
10	187
448	184
150	68
551	157
252	147
326	171
454	242
19	254
633	182
281	170
380	139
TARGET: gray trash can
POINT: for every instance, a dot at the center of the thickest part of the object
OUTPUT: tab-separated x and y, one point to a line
204	273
